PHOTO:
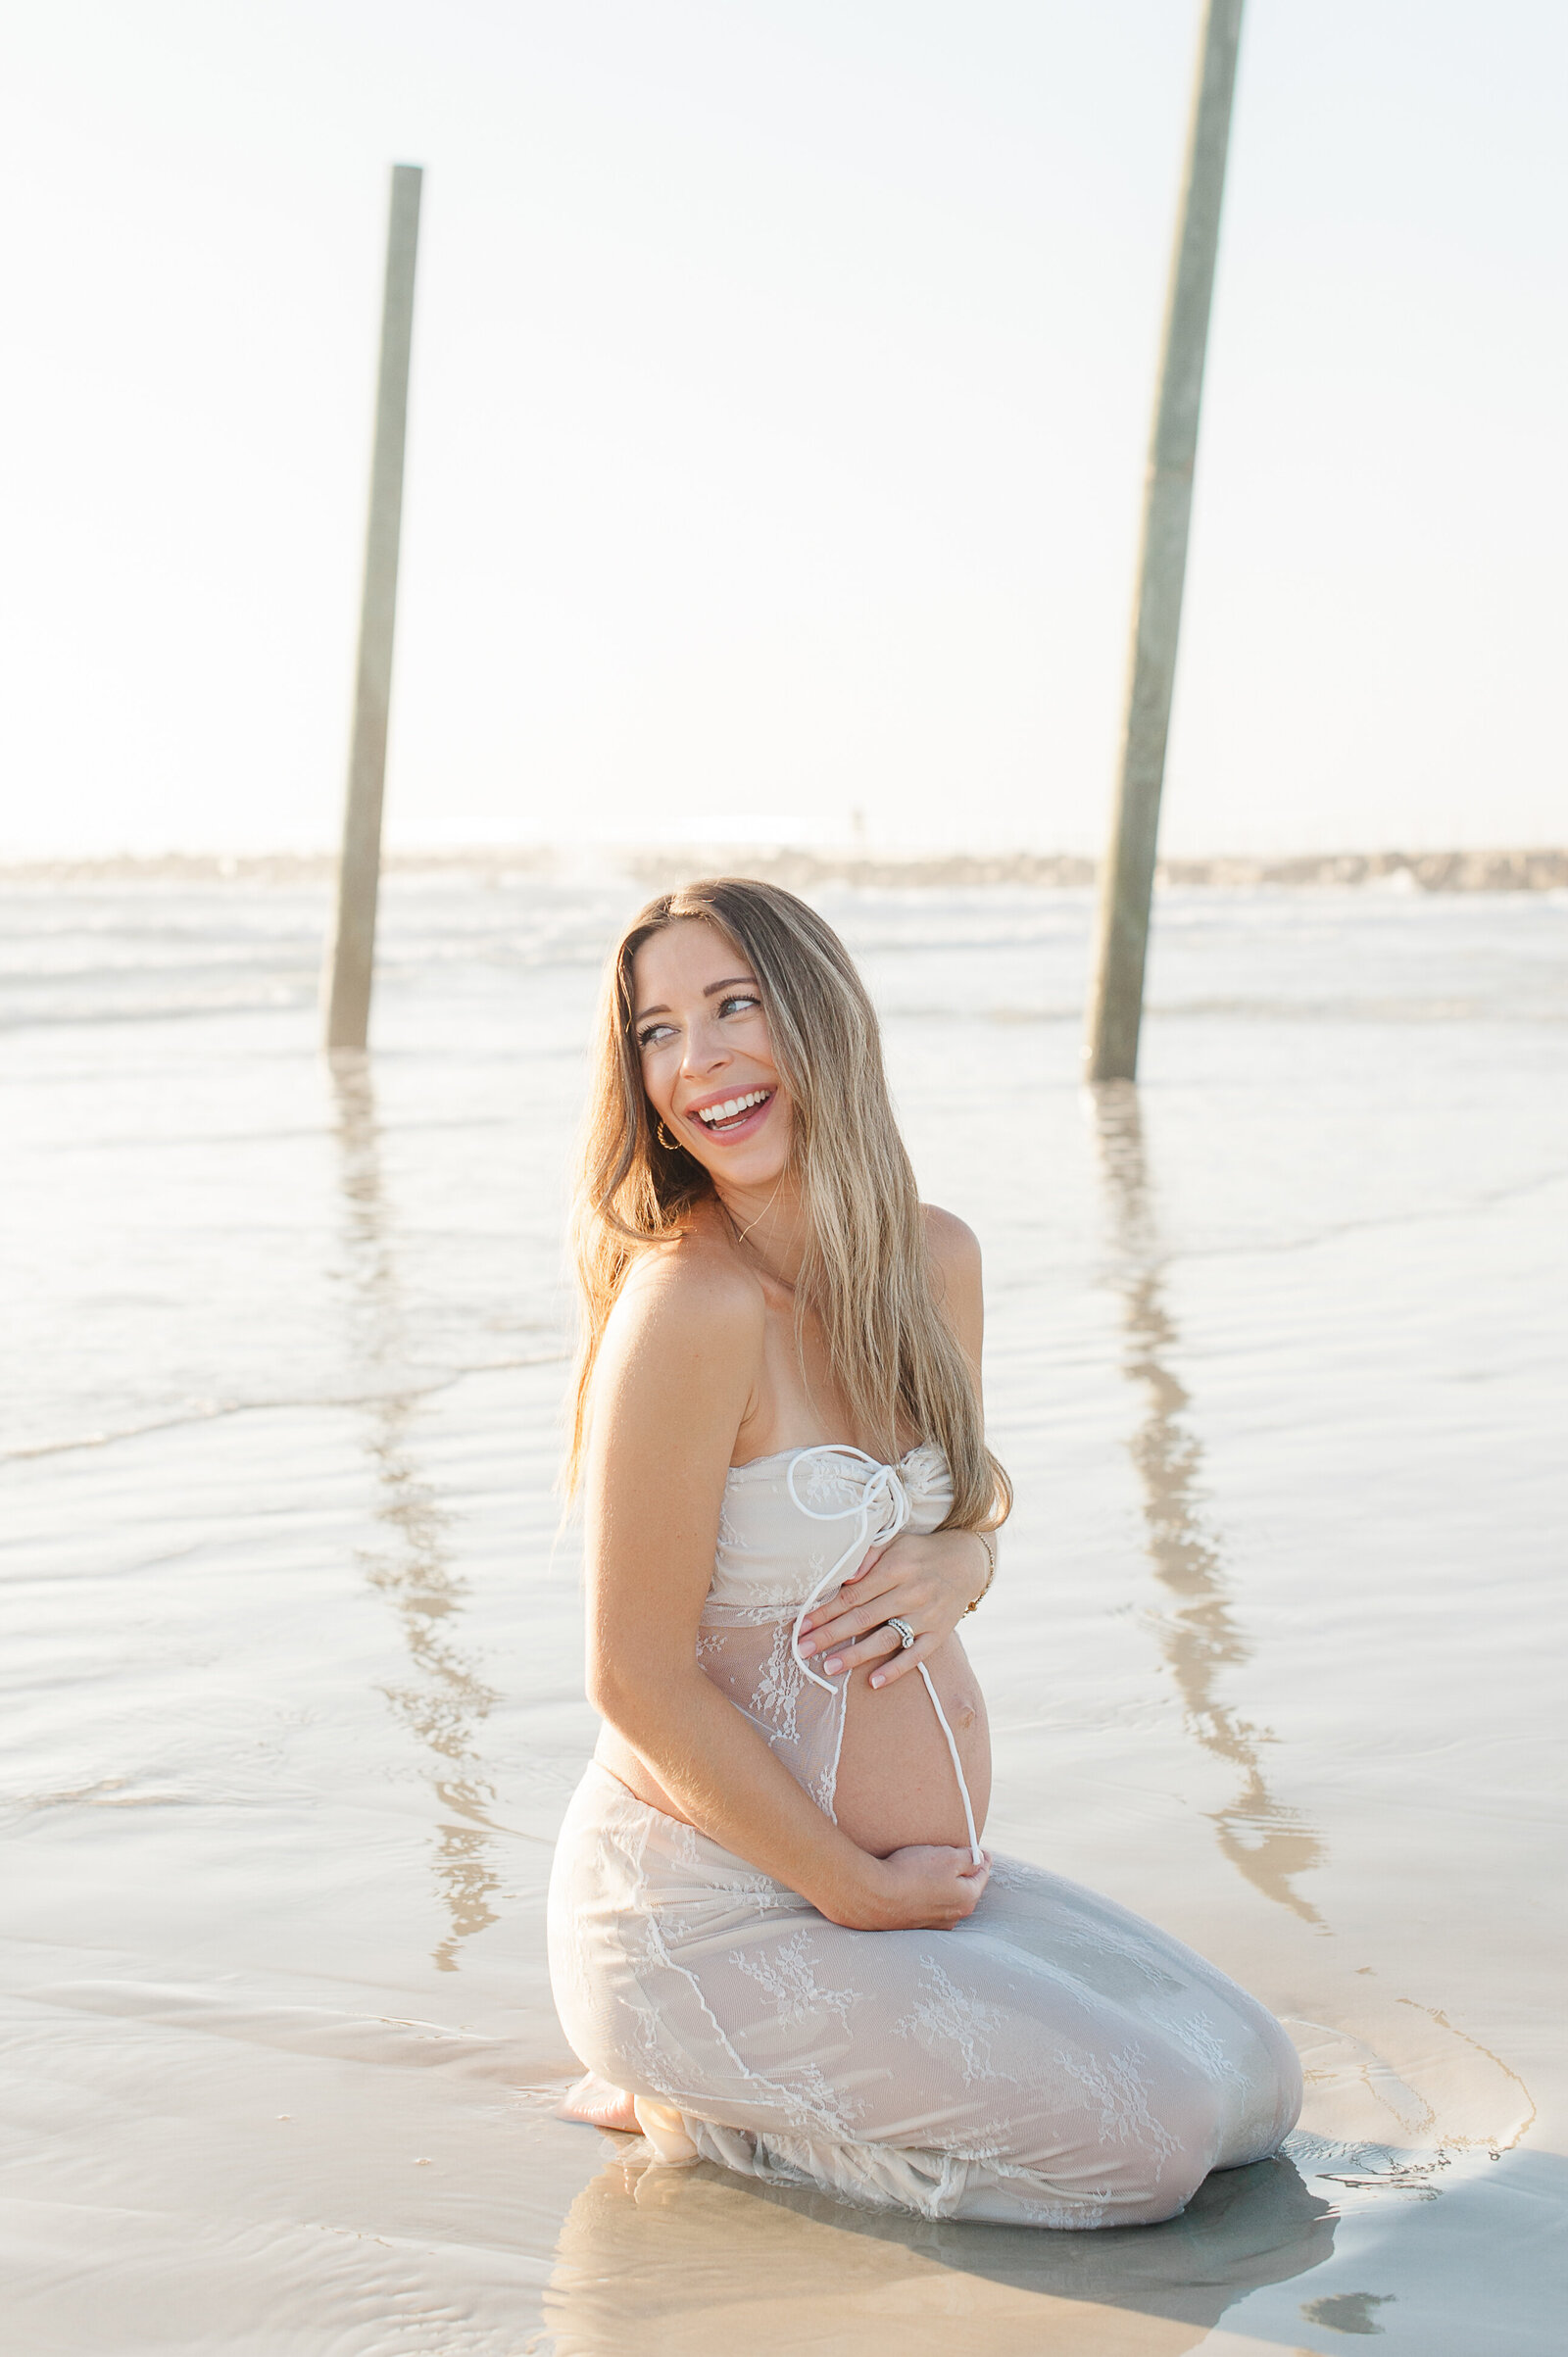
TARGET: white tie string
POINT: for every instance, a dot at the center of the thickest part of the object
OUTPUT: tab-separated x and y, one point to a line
881	1513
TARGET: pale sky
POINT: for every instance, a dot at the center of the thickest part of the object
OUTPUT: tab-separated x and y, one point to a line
781	382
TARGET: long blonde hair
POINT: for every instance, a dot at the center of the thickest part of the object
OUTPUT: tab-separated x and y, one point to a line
866	1274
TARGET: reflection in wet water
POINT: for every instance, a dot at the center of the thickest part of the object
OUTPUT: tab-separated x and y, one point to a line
444	1703
1265	1840
667	2260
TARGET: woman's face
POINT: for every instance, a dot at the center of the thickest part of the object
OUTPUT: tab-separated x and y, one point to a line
706	1060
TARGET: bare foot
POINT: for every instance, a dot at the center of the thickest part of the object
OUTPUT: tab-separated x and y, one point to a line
602	2105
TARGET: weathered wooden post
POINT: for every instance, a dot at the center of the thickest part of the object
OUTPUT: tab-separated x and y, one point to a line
1127	878
350	953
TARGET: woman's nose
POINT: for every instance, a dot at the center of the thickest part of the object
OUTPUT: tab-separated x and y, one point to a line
706	1051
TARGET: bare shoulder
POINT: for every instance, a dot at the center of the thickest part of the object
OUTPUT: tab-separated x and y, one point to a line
955	1250
688	1289
674	1378
954	1246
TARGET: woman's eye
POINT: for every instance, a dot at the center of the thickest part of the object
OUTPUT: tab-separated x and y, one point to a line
741	1000
650	1033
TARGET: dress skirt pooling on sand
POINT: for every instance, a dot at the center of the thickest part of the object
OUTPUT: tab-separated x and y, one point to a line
1052	2062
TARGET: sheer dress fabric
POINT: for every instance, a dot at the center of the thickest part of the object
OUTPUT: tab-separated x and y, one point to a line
1053	2061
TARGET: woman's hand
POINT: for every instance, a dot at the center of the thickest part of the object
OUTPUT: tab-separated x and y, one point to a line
923	1889
928	1582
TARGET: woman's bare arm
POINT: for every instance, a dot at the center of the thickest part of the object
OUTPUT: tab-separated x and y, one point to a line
955	1250
672	1384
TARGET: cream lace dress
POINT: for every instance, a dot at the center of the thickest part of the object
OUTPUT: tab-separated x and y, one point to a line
1052	2061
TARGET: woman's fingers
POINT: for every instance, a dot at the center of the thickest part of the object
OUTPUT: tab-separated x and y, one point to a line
887	1648
972	1879
905	1658
840	1623
913	1600
877	1647
848	1630
962	1893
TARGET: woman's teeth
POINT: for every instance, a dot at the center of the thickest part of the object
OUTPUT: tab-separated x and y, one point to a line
732	1109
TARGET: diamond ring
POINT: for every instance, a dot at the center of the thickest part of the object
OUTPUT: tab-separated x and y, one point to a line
905	1633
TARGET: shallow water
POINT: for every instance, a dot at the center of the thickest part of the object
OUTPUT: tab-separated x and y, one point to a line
1275	1357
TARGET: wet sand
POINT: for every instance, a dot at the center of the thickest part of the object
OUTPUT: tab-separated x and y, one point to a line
295	1644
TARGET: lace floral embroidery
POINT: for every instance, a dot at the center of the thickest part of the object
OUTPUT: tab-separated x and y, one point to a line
729	1536
776	1696
683	1844
1196	2032
765	1894
948	2018
827	1487
822	2104
1119	2084
789	1976
1096	1936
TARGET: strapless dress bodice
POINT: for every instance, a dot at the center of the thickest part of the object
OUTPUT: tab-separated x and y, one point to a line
788	1521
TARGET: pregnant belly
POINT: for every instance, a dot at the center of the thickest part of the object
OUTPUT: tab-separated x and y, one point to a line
895	1783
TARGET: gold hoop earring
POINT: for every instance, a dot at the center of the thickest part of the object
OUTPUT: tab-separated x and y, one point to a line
670	1144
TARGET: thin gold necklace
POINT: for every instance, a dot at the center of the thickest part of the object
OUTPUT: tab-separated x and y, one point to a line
741	1234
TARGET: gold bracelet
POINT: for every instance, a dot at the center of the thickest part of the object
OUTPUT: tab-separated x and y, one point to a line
990	1573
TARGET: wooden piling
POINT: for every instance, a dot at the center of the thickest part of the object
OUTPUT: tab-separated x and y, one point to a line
350	953
1127	876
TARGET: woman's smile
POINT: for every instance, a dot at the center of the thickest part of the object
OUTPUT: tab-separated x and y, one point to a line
737	1114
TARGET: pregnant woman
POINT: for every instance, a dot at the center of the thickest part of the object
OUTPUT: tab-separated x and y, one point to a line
776	1941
